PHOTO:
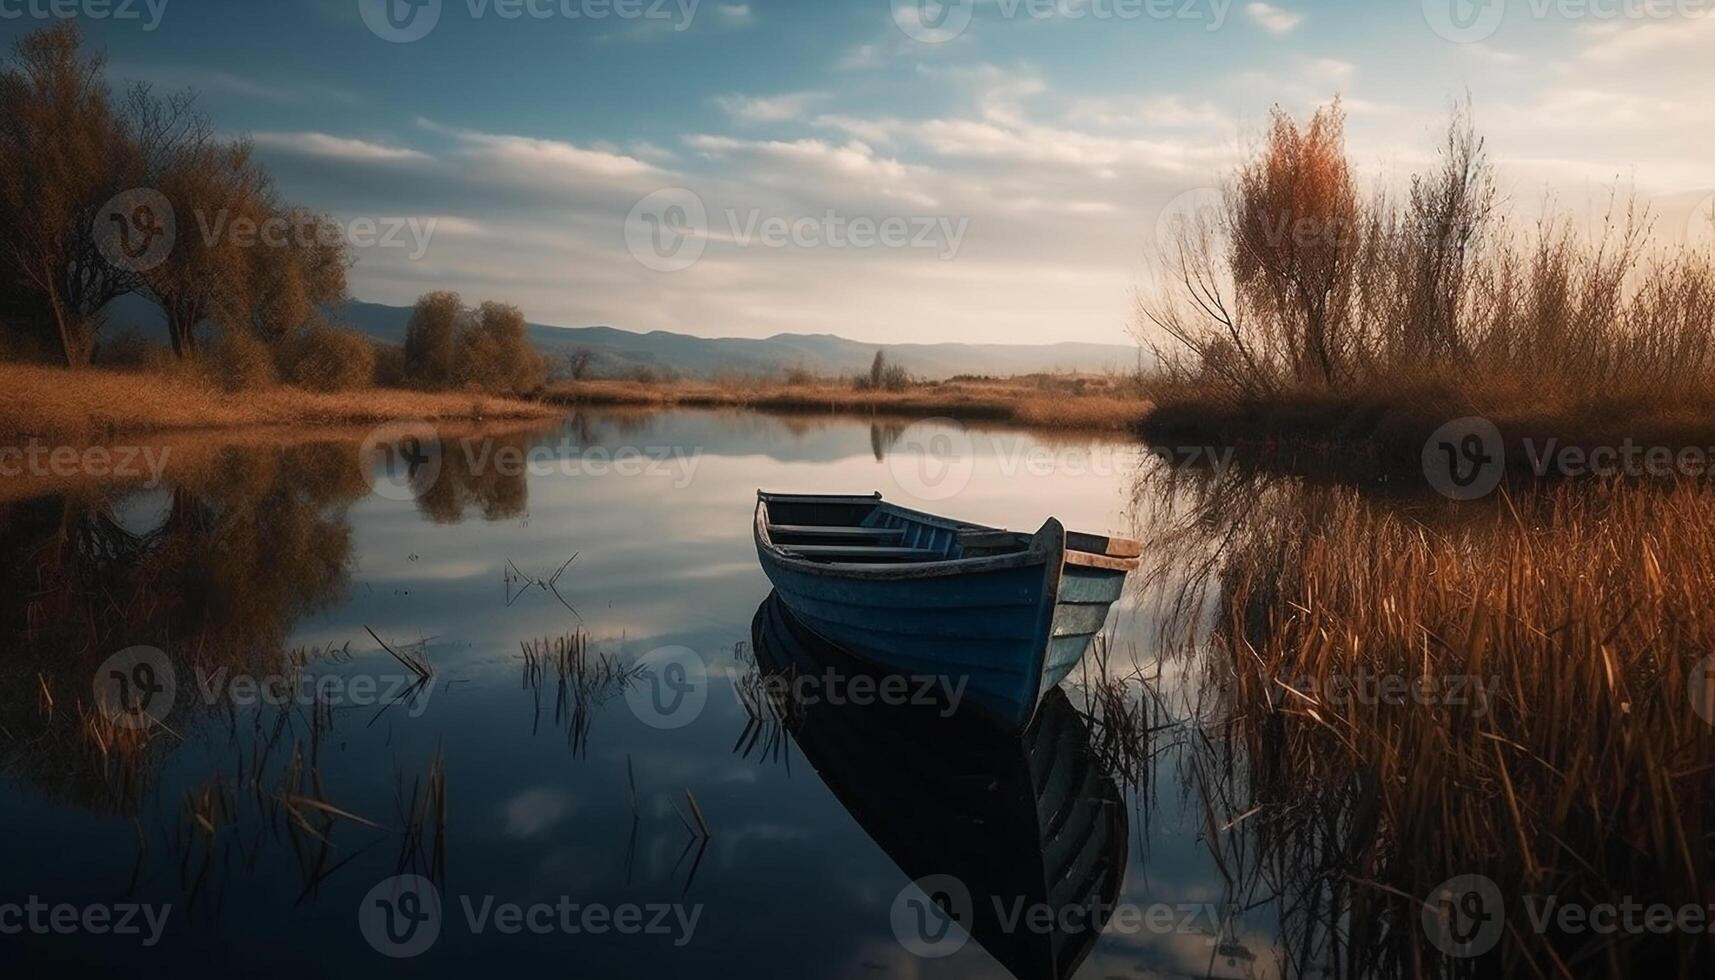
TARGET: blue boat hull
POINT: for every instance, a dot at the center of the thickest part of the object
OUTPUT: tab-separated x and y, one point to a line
999	631
1032	820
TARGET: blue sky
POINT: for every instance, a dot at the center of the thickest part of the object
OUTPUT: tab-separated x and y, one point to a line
1025	151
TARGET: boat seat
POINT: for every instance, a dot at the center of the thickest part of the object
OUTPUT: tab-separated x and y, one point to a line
858	552
825	531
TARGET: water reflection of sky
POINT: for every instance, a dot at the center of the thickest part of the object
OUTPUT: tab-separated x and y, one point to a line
790	885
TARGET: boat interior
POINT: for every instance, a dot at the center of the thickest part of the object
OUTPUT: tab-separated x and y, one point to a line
862	530
867	530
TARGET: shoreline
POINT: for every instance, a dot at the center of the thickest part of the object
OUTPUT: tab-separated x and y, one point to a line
1040	402
1381	434
92	406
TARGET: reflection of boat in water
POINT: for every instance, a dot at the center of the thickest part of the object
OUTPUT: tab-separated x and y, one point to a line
1025	821
922	595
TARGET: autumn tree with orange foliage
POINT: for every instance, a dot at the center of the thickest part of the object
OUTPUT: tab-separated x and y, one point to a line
1264	282
1294	285
1295	230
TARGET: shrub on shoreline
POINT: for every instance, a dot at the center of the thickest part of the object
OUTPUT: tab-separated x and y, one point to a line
324	358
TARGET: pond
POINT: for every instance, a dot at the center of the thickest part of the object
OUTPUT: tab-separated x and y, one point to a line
304	770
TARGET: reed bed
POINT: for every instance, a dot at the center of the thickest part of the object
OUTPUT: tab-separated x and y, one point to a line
1111	404
582	682
1302	315
1575	762
423	814
769	710
1126	714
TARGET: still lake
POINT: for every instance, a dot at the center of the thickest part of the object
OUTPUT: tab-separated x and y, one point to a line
629	846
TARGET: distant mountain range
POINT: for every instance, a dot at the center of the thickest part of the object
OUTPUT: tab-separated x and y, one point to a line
622	352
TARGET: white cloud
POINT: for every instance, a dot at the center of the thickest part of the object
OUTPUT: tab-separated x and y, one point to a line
1275	20
776	108
339	147
535	811
1613	43
1330	69
1061	193
861	57
821	166
1498	56
868	130
202	79
545	158
1162	111
734	11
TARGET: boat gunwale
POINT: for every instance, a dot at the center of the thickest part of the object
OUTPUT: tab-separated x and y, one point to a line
1036	552
1124	554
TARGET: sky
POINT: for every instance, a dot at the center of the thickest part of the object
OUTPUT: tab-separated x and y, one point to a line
991	171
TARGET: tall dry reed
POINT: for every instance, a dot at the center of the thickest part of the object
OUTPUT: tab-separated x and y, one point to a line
1551	725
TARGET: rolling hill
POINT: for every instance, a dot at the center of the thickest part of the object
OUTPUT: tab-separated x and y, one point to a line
621	352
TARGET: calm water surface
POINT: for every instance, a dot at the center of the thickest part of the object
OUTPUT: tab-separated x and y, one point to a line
267	828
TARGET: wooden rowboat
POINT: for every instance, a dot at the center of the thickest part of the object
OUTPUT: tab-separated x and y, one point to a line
1007	614
1031	820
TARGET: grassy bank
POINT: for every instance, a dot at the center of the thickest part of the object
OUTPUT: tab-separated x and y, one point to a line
92	406
1046	401
1380	431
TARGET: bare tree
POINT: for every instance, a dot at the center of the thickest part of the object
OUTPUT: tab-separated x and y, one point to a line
1260	290
208	273
579	363
64	152
1295	228
1450	210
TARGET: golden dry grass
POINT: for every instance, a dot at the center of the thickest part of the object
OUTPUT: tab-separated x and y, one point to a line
1585	774
92	405
1044	401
